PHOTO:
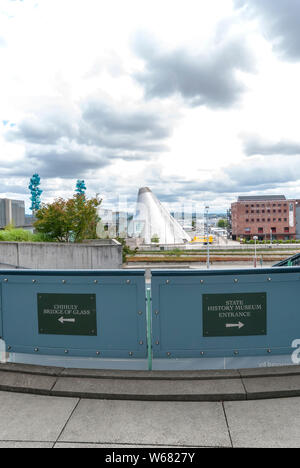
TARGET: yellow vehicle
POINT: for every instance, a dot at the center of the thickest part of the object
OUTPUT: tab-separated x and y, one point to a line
203	239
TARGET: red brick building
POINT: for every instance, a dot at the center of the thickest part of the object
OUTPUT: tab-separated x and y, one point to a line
271	216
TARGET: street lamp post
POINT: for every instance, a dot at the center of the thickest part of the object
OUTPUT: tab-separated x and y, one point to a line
207	239
255	238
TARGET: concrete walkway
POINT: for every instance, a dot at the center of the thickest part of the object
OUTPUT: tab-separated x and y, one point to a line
45	422
130	409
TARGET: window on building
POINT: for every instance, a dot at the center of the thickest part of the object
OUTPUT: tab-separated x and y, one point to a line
258	220
286	229
269	220
247	220
279	219
274	211
285	219
273	229
252	220
263	220
274	220
260	230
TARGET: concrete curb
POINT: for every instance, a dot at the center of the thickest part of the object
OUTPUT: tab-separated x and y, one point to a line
231	385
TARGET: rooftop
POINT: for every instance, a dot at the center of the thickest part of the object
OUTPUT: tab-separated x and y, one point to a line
261	197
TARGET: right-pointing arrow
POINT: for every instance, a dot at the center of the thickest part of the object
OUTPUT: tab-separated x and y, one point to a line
235	325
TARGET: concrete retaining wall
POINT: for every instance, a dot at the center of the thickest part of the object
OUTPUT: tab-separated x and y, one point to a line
36	255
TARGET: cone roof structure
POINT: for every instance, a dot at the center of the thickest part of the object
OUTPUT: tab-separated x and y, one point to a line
154	220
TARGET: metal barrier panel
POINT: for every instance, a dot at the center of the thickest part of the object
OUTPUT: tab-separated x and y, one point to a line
209	314
78	313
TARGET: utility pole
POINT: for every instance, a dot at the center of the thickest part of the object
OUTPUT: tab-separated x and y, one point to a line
255	238
207	239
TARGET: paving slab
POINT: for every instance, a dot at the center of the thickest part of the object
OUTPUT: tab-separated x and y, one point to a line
264	423
270	371
153	375
154	423
272	387
15	381
33	418
31	369
26	445
218	385
68	445
162	390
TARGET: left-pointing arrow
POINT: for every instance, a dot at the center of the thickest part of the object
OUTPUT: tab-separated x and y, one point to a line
63	320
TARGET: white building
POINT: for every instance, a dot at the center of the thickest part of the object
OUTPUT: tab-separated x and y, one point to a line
12	212
112	223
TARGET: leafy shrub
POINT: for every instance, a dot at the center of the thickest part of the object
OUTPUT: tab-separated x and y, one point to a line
16	235
11	234
126	249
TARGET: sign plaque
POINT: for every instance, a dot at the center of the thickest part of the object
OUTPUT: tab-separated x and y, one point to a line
238	314
67	314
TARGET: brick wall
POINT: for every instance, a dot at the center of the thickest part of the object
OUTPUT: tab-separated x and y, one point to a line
258	218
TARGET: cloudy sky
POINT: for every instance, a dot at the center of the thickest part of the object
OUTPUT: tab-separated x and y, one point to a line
197	99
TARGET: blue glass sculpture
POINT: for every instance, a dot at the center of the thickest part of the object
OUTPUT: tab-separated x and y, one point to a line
36	192
80	187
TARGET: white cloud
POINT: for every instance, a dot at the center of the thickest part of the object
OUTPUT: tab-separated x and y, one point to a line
69	95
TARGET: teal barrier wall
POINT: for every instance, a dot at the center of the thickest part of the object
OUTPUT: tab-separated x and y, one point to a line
183	315
199	314
99	313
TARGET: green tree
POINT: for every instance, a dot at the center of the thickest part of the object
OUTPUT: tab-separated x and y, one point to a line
71	220
222	223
